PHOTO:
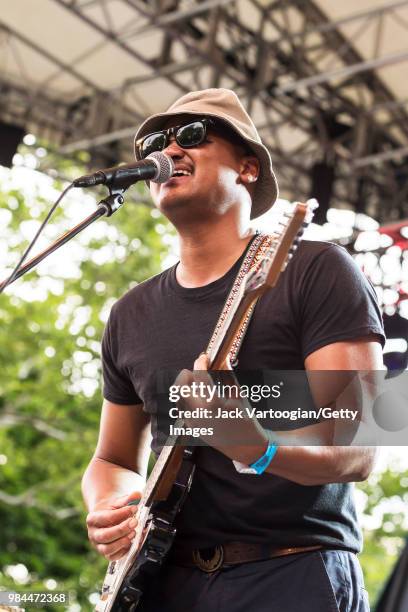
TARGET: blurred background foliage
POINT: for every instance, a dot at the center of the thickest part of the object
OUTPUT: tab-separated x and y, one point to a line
50	395
51	324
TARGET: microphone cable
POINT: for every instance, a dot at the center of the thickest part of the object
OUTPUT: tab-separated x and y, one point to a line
34	240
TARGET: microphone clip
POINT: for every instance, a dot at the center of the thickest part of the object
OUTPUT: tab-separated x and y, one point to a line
113	201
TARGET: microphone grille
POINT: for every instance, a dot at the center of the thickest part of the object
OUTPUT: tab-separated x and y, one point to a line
165	166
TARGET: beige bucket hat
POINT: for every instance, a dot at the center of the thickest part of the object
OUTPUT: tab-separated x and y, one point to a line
224	105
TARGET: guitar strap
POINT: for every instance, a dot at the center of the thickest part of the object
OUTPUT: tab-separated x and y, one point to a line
252	260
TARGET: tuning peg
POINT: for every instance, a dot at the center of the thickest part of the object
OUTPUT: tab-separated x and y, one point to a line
312	204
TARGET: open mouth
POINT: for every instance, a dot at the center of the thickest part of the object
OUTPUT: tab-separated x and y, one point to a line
179	176
178	173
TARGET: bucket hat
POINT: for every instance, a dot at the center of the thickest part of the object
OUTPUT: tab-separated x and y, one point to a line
224	105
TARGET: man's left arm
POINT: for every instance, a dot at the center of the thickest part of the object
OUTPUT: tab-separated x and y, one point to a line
321	462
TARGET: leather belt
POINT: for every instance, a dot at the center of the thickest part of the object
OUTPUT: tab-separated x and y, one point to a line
230	553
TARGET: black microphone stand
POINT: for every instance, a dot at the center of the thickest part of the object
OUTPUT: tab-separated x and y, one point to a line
106	208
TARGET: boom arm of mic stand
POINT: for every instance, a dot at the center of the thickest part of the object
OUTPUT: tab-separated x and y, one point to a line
106	208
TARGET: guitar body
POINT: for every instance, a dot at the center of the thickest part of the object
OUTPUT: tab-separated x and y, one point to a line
167	487
157	535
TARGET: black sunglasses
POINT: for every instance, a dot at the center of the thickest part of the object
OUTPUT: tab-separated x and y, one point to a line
187	136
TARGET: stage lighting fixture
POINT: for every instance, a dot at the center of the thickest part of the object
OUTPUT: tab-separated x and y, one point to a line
322	175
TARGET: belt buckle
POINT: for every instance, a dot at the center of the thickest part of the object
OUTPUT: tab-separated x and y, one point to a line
212	564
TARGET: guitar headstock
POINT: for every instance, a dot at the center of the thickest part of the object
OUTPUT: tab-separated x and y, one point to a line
293	221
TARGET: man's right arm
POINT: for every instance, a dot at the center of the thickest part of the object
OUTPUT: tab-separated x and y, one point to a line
116	474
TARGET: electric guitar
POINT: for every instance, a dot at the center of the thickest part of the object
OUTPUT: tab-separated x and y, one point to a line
167	487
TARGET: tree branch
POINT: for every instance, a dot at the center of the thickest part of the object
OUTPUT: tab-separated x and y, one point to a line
11	418
29	500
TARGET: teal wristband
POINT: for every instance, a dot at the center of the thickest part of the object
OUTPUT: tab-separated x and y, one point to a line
261	464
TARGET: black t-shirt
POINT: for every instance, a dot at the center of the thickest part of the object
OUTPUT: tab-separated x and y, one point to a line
321	298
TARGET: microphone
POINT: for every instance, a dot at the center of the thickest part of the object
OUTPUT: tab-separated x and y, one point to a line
156	167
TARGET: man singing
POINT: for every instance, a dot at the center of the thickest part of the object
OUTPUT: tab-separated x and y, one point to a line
289	532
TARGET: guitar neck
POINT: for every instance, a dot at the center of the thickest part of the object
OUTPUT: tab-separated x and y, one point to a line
234	334
261	275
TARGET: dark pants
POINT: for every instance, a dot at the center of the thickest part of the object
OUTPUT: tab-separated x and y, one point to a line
318	581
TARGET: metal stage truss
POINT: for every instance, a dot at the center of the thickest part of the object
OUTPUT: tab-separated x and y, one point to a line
325	84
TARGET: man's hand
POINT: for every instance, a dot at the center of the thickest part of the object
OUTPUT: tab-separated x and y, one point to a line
111	526
237	437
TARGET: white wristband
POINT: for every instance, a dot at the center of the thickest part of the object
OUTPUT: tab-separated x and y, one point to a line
242	468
